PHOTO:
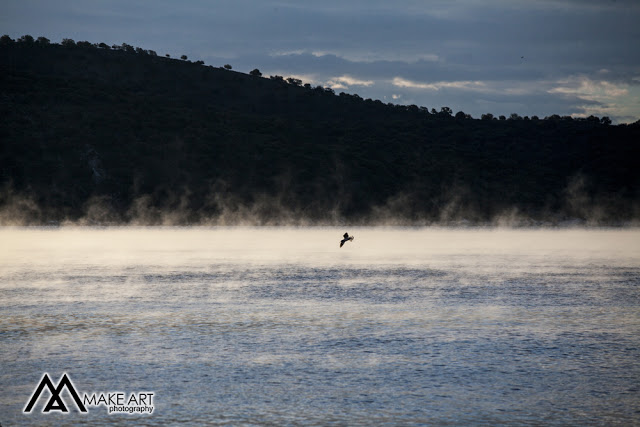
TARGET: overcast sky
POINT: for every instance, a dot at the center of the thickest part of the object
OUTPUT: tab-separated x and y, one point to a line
531	57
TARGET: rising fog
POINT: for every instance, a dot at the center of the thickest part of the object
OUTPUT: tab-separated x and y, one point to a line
580	209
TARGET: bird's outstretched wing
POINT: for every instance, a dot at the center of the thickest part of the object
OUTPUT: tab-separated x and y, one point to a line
342	242
346	235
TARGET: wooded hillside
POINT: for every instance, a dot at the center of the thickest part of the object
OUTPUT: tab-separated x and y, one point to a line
101	134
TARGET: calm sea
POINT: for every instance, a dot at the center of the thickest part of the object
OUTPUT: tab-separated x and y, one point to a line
280	326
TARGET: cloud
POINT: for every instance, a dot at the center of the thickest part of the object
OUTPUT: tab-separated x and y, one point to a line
463	85
586	88
598	97
345	81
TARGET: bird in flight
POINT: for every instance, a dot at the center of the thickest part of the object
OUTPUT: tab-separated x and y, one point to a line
346	239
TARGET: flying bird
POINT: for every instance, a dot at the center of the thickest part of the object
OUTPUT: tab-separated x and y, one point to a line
346	239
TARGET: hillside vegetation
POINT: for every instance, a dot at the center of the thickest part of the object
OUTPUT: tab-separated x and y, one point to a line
103	135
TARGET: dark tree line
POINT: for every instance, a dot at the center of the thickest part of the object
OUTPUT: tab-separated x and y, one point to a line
119	133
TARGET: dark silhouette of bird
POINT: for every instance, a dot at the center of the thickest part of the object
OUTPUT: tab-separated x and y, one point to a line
346	239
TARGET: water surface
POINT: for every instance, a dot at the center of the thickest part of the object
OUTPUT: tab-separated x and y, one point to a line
280	326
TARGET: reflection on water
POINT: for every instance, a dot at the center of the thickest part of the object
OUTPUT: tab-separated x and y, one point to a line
281	326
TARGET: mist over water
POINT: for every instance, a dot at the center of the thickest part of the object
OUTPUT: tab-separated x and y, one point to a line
578	207
279	325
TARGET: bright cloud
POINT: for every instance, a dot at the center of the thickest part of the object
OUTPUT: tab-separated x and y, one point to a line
592	90
600	96
465	85
343	82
